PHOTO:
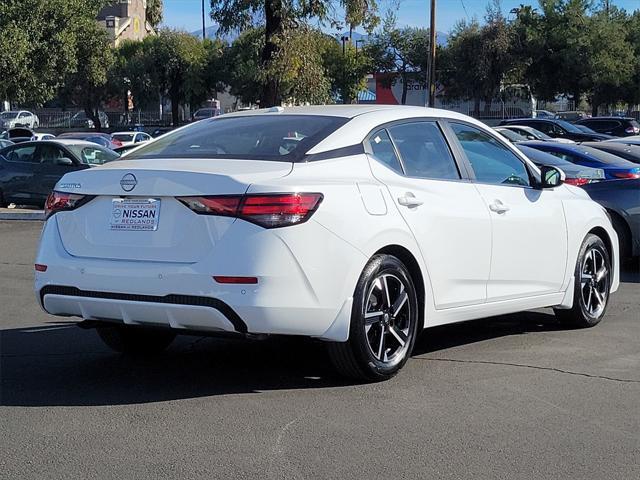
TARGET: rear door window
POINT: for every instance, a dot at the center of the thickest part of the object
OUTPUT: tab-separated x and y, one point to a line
424	151
383	150
24	154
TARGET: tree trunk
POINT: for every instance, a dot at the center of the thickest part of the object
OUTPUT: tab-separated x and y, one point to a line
175	109
576	99
476	107
273	27
93	115
488	102
404	88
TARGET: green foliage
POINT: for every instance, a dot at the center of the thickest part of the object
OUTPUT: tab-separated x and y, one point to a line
399	52
283	21
38	45
86	86
346	70
154	12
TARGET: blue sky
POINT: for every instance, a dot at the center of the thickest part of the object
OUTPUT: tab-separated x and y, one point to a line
186	14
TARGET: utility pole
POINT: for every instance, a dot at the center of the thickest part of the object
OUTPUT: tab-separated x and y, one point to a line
431	70
204	32
344	40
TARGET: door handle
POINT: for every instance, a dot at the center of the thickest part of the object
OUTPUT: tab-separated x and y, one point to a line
499	207
409	200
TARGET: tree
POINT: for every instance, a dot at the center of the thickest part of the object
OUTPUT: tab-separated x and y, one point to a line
280	16
298	67
174	61
346	69
401	53
38	45
86	86
154	12
478	60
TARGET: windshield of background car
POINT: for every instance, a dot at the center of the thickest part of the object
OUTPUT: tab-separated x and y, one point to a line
569	127
93	155
253	137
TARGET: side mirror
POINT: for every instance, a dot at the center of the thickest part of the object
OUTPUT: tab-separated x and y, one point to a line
530	137
64	161
551	177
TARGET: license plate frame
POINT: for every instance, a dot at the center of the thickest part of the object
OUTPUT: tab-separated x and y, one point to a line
135	214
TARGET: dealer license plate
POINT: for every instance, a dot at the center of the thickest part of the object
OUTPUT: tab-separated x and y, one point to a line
135	214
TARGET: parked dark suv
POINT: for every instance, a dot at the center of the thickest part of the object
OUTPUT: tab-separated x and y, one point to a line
618	126
558	129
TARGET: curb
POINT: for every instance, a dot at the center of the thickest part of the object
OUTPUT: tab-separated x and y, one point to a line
23	215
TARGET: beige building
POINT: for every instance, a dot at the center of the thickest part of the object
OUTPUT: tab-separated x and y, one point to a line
125	20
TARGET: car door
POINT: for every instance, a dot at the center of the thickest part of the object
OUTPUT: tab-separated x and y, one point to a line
442	208
19	173
529	234
52	167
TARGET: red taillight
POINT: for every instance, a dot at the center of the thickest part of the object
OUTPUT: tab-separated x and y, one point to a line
236	280
40	268
626	174
116	142
632	130
266	210
577	181
59	201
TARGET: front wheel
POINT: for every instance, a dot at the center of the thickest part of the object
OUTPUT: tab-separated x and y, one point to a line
384	322
132	340
592	278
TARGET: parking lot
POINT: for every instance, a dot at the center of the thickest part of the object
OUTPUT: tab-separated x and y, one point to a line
510	397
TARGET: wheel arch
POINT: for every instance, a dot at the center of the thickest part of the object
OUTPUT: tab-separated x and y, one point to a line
409	260
606	239
622	228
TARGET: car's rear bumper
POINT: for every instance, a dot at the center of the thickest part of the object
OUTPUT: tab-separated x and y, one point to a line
299	291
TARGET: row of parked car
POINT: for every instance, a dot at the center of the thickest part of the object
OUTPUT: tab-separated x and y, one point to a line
590	158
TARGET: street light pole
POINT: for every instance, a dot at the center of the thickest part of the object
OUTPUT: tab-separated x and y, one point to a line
431	70
204	32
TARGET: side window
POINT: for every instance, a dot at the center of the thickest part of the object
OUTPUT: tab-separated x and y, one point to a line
383	150
424	151
97	156
23	115
50	154
492	162
24	154
544	127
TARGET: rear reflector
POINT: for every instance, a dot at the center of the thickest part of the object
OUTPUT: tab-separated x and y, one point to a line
236	280
40	267
626	175
59	201
266	210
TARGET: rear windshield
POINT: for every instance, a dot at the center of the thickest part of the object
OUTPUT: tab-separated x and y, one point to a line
253	137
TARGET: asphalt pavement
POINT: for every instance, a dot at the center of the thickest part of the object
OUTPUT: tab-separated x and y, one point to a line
512	397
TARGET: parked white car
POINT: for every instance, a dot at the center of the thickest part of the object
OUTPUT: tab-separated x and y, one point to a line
18	118
379	222
130	138
43	136
531	133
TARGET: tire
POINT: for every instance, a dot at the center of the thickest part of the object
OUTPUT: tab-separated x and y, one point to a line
135	340
591	286
380	342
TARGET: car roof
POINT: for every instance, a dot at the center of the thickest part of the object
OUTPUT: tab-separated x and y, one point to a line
67	142
131	132
83	135
345	111
606	118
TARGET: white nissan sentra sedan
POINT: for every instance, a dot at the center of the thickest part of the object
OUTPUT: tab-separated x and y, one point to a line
356	225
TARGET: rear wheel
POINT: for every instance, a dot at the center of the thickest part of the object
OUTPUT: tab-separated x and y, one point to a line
592	283
384	322
125	339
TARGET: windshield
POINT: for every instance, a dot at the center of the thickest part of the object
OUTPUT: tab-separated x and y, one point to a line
251	137
93	155
569	127
511	135
6	115
123	137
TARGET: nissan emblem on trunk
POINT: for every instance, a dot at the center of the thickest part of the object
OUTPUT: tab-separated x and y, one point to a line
128	182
